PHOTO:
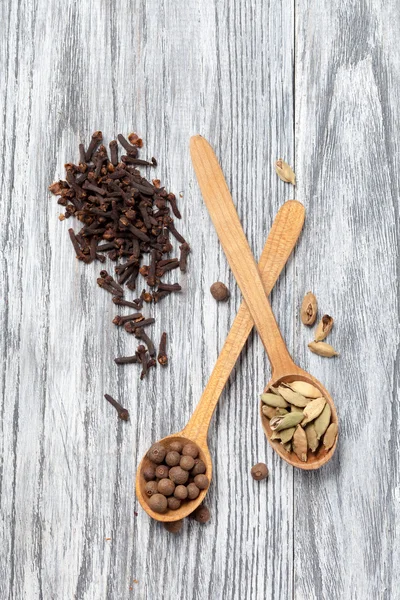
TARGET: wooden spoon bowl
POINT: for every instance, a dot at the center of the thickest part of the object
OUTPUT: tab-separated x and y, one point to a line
187	506
317	459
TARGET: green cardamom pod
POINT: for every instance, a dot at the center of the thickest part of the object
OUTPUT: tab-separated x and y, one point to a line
289	420
330	436
285	435
321	423
294	408
312	439
293	397
313	410
274	422
323	328
268	411
309	309
305	389
299	443
280	412
274	400
323	349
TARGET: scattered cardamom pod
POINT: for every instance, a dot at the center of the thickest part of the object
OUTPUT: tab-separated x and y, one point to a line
321	423
309	309
322	349
330	436
285	172
268	411
305	389
299	443
312	439
323	328
289	420
293	397
274	400
313	410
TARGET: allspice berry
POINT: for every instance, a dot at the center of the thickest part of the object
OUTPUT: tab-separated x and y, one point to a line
162	471
259	471
190	449
193	491
201	481
173	503
175	447
202	514
151	488
181	492
172	459
157	453
178	475
199	467
166	487
158	503
149	473
187	463
219	291
174	526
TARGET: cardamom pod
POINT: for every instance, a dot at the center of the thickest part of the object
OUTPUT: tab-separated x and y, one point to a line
330	436
280	412
309	309
321	423
305	389
313	410
299	443
285	172
274	400
312	439
288	447
322	349
268	411
285	435
323	328
292	397
274	422
274	390
289	420
294	408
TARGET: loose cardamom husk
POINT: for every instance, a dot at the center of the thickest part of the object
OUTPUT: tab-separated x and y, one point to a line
305	389
268	411
321	423
322	349
330	436
274	400
312	439
289	420
309	309
285	172
299	443
293	397
313	410
323	328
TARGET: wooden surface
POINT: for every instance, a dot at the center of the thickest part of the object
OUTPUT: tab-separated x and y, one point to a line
315	83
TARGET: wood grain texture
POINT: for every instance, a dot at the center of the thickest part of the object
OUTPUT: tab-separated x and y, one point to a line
67	467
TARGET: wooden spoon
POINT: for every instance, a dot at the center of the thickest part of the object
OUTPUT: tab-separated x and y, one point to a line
226	222
280	243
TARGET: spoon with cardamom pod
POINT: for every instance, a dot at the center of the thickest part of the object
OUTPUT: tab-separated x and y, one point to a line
284	233
287	379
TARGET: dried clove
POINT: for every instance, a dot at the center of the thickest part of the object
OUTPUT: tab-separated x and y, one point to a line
123	413
162	350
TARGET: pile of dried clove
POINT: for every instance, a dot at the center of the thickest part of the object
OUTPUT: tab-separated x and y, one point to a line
132	217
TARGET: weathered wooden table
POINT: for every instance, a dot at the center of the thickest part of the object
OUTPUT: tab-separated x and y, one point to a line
314	82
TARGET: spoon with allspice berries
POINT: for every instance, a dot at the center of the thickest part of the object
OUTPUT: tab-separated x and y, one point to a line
298	410
173	477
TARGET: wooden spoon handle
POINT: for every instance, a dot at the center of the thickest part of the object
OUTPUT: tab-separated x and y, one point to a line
226	222
282	238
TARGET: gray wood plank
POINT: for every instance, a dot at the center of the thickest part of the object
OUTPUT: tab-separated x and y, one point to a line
347	115
67	469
